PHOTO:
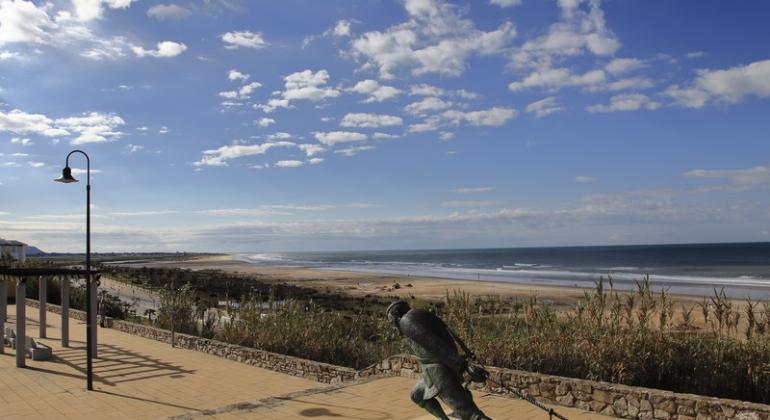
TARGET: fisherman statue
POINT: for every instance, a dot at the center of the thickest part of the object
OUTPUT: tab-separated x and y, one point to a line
443	368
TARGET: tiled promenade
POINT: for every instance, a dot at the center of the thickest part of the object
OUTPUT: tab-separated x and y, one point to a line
137	378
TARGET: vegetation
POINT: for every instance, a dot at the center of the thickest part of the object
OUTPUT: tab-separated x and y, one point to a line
628	338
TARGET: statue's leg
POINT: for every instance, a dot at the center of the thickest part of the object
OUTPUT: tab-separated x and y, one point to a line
432	405
461	401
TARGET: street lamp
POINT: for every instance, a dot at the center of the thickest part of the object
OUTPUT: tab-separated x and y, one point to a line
66	178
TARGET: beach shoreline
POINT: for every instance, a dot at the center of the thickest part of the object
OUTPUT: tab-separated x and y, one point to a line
361	284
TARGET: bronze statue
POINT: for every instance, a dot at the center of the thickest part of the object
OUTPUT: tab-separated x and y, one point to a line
442	366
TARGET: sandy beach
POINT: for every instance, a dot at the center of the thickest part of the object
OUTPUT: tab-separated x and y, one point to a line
361	284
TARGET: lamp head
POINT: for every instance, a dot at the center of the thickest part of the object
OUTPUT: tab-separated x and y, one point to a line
66	176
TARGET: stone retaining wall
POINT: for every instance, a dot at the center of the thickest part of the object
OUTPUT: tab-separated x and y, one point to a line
600	397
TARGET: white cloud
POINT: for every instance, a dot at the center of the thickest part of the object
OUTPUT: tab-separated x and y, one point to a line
352	151
626	102
22	141
427	105
220	156
93	9
7	55
315	161
236	75
472	190
265	122
370	120
168	12
333	137
584	179
279	135
544	107
384	136
495	116
435	39
738	179
164	49
580	31
302	85
340	29
425	89
289	163
20	122
446	135
133	148
311	149
21	21
375	91
505	3
729	86
163	130
623	65
244	92
36	164
555	79
243	39
696	54
93	127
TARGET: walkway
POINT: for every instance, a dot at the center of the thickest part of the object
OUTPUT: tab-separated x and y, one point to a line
137	378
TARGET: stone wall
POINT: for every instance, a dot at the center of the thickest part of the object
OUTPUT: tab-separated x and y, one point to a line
600	397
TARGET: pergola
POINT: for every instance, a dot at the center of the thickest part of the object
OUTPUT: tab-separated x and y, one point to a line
20	276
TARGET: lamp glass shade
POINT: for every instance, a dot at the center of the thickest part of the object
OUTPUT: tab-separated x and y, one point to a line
66	176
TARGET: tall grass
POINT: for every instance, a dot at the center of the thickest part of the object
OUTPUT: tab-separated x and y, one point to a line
629	338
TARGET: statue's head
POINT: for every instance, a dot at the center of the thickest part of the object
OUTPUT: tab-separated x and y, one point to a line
395	311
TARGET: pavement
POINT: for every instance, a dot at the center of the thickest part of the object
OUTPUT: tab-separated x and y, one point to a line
138	378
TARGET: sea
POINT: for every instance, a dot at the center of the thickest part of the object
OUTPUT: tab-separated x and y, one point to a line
742	269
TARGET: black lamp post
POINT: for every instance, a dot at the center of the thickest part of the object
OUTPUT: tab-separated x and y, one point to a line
66	178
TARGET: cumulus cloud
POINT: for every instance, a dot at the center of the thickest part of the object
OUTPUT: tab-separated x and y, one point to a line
20	122
352	151
311	149
243	39
495	116
544	107
94	9
289	163
23	22
302	85
470	203
220	156
236	75
93	127
555	79
384	136
623	65
22	141
626	102
244	92
375	91
435	39
370	120
168	12
728	86
265	122
581	30
334	137
425	89
427	105
163	49
340	29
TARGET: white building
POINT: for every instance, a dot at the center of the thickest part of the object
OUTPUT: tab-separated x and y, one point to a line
16	249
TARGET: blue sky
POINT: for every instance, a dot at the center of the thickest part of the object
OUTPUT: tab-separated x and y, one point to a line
226	125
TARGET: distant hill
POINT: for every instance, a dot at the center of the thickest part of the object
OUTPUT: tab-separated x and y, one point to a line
34	251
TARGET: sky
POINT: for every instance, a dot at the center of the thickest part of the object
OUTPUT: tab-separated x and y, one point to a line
238	126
